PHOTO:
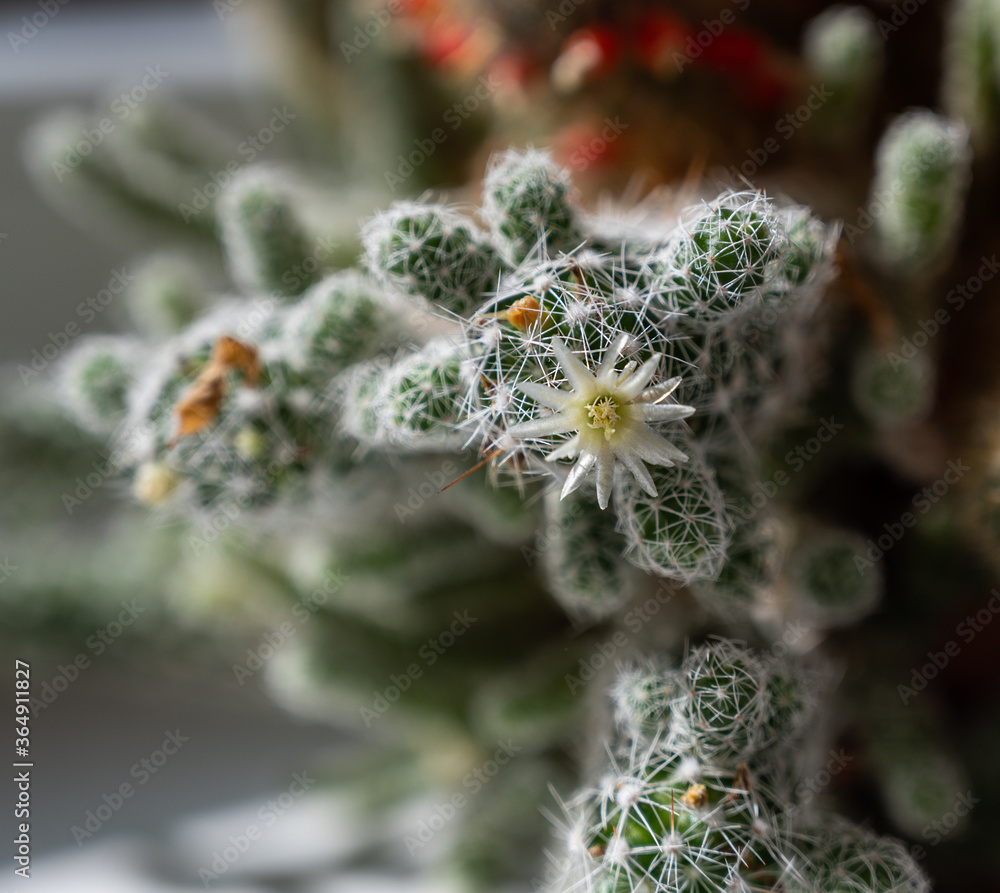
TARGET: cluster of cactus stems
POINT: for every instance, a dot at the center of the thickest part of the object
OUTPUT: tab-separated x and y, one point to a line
615	368
703	790
626	369
465	455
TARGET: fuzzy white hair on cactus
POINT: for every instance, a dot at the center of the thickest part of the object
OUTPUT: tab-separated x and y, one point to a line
609	411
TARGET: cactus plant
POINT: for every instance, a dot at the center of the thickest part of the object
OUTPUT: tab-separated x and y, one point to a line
517	456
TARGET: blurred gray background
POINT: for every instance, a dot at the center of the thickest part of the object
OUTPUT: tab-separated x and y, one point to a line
242	750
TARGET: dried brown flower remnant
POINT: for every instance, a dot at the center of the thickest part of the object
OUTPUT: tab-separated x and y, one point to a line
741	782
201	401
695	796
233	354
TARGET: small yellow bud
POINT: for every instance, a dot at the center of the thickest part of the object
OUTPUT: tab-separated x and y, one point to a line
154	482
695	796
526	313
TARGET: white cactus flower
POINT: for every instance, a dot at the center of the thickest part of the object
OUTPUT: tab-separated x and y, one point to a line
610	412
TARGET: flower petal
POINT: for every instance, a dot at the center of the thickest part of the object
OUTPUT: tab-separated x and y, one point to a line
580	378
567	451
557	423
639	471
647	444
658	392
633	386
579	472
659	412
611	357
605	475
627	370
553	398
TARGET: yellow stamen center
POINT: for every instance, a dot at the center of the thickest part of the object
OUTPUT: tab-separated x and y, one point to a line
604	414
